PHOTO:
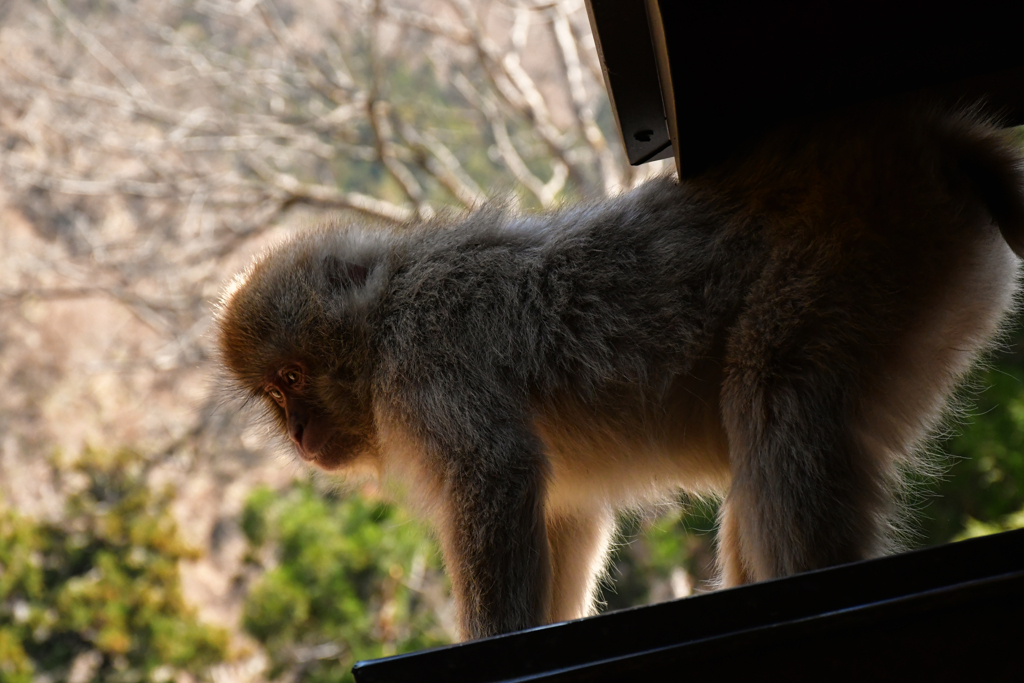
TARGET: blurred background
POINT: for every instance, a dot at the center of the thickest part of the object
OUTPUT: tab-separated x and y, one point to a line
148	148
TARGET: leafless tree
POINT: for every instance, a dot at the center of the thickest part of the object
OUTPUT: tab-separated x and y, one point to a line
150	146
150	143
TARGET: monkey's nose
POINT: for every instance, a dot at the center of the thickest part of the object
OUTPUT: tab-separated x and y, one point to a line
296	433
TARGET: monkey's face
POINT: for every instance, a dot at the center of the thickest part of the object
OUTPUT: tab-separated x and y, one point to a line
323	418
304	422
292	336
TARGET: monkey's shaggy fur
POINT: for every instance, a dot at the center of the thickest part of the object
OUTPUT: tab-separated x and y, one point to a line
785	329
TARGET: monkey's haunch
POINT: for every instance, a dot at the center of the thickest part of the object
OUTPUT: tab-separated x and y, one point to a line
784	329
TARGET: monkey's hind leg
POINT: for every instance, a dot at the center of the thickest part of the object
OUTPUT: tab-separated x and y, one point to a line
806	492
579	542
733	568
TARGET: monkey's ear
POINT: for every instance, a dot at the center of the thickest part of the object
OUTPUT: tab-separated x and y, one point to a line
344	274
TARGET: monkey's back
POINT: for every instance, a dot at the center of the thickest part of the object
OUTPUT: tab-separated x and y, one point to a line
592	299
825	253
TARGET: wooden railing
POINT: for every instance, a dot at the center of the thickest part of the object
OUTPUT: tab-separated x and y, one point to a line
949	613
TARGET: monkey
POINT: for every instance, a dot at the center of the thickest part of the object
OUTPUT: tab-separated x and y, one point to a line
783	330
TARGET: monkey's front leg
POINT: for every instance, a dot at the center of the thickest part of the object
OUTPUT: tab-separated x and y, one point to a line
494	538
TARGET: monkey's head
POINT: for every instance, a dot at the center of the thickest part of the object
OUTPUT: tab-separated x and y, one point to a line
293	336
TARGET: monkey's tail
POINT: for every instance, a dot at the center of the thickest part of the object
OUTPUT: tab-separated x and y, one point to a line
993	160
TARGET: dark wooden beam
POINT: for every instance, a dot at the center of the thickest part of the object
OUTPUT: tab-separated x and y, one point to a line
730	69
631	76
940	614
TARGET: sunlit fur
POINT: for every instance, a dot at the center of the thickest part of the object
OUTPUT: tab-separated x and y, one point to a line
784	330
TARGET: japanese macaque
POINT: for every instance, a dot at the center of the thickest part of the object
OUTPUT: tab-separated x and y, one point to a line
783	330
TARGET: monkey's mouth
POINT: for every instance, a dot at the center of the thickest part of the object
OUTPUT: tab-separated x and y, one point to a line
306	455
334	452
320	459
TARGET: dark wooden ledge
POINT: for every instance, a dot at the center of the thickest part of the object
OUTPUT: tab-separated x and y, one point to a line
949	613
699	78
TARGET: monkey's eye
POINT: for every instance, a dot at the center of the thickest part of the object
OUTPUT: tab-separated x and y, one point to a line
275	394
292	377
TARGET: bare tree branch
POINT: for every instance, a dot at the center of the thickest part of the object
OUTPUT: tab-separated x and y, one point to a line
583	106
518	91
149	155
98	51
445	166
544	192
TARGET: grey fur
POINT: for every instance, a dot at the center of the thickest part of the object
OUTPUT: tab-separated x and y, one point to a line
784	329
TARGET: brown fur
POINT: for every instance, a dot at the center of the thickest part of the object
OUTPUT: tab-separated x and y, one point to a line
784	329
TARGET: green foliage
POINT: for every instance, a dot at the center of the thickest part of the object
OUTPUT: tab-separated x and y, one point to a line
656	548
104	581
984	487
974	528
343	583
